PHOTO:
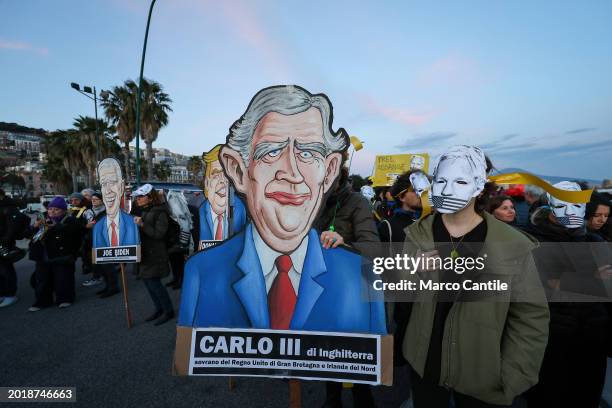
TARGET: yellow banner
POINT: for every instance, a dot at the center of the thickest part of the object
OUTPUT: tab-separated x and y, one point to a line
577	197
387	168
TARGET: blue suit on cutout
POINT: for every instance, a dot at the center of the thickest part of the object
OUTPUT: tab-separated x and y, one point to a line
206	221
128	232
225	287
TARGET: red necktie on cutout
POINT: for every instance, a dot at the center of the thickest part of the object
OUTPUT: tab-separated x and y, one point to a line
219	231
114	240
281	298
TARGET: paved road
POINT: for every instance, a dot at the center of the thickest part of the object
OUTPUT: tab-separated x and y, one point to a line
89	346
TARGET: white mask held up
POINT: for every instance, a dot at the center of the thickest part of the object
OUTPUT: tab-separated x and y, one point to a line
459	176
570	215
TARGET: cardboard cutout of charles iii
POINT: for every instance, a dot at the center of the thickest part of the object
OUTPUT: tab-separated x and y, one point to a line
115	236
282	156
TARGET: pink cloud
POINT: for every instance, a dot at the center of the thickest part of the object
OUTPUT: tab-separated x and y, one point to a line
401	115
249	27
22	46
452	69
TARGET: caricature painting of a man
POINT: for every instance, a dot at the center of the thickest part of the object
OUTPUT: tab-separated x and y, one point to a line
117	228
282	156
214	214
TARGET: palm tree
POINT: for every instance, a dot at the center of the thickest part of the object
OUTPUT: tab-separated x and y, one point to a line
120	109
108	146
63	148
194	165
155	105
86	127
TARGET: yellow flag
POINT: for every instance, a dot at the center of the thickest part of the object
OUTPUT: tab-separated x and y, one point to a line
357	144
577	197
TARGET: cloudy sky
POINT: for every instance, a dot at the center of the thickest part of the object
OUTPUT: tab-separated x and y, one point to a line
528	81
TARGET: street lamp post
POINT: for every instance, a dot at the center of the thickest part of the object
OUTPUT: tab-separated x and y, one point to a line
88	90
139	96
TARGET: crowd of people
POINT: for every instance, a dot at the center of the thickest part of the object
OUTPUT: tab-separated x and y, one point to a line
473	353
63	234
479	354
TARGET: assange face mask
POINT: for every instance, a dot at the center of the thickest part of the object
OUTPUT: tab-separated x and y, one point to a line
419	182
459	176
417	162
570	215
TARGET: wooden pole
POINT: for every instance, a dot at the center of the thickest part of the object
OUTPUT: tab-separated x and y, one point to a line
128	315
232	383
295	394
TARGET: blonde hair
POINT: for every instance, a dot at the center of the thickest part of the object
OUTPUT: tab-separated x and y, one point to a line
209	157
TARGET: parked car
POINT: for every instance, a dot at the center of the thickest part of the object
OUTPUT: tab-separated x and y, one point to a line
32	208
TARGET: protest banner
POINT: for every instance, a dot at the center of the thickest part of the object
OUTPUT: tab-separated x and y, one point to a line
387	168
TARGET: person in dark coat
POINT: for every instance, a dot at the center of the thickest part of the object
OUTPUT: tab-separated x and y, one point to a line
533	198
54	247
407	210
8	276
597	216
347	219
92	215
154	264
575	357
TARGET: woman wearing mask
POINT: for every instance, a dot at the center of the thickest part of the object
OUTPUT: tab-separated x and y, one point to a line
572	264
502	208
153	224
460	344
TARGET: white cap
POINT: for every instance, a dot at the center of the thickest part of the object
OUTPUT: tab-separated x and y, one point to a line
143	190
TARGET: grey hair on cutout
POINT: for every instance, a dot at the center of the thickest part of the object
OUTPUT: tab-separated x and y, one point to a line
286	100
111	162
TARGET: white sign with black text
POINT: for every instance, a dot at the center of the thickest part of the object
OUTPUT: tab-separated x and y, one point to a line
117	254
308	355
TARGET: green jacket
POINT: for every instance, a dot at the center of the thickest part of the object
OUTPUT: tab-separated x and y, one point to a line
492	350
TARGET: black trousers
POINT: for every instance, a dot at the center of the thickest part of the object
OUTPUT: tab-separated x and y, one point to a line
177	264
573	372
362	395
50	278
159	295
110	274
8	279
426	394
87	265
